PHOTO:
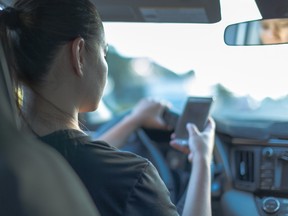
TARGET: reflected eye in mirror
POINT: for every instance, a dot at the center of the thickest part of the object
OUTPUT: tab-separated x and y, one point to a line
257	32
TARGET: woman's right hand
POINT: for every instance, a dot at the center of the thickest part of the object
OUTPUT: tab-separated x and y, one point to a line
201	144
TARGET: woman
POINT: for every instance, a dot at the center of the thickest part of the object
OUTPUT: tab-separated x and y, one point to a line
274	31
57	49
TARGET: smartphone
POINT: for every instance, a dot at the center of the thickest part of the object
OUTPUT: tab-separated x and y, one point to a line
196	111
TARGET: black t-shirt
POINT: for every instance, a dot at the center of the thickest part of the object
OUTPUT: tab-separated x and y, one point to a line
119	182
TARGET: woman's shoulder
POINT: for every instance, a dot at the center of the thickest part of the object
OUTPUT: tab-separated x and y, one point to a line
75	145
101	152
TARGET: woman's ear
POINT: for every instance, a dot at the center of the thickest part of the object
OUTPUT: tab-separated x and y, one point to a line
78	55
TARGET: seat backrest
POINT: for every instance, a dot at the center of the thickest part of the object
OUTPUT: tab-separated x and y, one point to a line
34	178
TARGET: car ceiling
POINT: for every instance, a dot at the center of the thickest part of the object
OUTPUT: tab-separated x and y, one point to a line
175	11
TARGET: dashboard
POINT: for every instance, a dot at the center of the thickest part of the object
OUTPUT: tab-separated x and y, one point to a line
254	155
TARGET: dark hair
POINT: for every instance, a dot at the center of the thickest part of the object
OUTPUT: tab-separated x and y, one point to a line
33	30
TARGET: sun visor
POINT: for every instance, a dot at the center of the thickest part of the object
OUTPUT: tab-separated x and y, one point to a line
160	11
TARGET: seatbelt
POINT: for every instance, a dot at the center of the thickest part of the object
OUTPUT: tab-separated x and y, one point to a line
6	80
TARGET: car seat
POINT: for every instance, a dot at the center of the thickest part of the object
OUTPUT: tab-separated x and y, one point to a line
34	179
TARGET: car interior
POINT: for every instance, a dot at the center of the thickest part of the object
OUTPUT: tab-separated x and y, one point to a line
250	164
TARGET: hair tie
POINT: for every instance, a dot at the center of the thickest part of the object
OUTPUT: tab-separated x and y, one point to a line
11	17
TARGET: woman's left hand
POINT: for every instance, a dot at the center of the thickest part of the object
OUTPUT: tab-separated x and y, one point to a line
148	113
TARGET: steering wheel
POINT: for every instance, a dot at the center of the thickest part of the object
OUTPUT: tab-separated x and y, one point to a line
158	160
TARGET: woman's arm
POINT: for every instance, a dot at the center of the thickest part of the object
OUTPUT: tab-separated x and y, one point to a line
147	113
198	198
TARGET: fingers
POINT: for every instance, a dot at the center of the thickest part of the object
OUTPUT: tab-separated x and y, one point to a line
173	136
190	157
195	136
150	112
163	103
192	130
210	125
179	147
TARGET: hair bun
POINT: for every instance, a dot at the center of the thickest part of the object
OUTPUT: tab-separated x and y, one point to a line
11	17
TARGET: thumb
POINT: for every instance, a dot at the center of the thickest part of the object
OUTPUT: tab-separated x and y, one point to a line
210	125
192	129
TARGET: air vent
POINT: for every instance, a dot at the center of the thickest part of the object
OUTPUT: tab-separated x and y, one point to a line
244	165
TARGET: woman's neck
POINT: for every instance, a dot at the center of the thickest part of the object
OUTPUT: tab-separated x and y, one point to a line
44	117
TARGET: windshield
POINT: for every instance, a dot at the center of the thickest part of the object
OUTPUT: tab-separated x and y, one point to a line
172	61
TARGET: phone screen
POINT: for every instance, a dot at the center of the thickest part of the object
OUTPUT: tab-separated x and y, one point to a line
196	111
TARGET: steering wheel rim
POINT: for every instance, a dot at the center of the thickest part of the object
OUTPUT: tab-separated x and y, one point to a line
158	160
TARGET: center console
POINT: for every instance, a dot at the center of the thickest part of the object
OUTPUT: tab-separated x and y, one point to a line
261	167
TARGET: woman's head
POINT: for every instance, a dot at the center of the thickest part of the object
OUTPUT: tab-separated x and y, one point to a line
37	30
274	31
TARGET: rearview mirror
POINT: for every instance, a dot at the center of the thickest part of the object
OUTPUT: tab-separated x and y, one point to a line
257	32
